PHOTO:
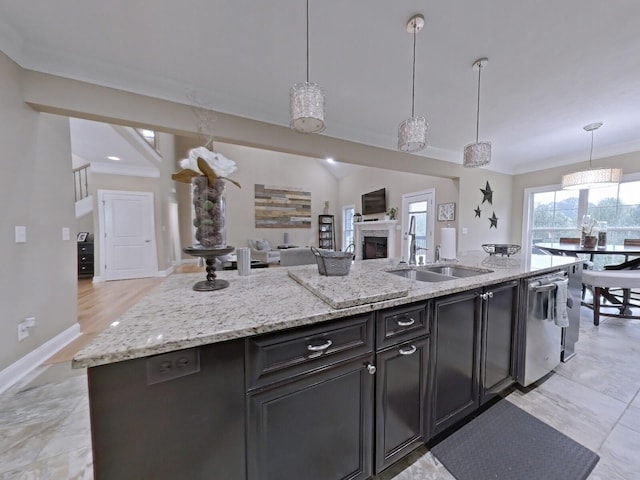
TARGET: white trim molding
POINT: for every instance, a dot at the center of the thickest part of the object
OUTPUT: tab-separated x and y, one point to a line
18	370
384	228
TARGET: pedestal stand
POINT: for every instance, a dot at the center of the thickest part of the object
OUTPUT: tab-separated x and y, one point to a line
209	254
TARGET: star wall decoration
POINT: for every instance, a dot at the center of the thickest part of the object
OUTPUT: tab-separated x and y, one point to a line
493	221
487	194
478	211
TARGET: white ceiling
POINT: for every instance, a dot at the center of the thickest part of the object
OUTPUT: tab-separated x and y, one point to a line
554	66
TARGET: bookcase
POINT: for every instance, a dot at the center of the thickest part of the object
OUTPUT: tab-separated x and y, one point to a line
326	232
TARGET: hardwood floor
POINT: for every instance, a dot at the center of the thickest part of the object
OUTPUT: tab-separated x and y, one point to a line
99	304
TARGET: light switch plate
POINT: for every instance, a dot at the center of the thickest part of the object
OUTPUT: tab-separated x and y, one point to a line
21	234
66	233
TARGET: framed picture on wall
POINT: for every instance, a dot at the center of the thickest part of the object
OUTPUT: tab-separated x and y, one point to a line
446	212
82	236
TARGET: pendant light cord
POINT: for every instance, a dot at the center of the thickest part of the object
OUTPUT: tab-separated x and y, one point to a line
478	107
307	41
413	81
591	152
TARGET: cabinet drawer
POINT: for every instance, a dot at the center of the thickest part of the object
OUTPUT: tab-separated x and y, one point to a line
85	258
85	248
277	356
398	324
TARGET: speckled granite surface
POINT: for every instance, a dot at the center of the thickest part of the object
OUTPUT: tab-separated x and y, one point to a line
174	317
357	288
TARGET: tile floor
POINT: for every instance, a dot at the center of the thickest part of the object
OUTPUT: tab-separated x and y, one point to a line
44	420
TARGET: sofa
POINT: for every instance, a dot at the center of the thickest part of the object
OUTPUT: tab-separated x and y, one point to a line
297	256
261	250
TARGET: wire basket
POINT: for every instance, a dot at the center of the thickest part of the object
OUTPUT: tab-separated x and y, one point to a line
503	249
333	264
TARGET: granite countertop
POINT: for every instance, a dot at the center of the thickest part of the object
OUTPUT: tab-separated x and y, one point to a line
173	316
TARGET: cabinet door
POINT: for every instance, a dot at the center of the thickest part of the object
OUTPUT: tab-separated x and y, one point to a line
401	408
318	427
498	339
456	345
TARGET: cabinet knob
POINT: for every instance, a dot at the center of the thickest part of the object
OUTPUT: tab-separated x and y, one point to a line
319	348
371	368
406	322
410	350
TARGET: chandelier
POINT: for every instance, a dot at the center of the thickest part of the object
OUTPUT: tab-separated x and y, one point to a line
477	154
412	133
307	101
593	177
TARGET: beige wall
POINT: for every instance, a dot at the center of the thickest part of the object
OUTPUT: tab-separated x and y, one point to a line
396	184
39	278
630	163
257	166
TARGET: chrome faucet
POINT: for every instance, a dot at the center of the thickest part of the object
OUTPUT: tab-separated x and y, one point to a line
412	244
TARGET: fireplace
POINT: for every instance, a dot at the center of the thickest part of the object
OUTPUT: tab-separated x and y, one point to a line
374	247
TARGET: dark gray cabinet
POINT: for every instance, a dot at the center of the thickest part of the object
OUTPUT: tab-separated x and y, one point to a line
498	359
474	341
187	426
455	363
310	394
401	400
317	427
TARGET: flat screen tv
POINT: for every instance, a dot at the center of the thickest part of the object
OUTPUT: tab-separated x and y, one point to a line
374	202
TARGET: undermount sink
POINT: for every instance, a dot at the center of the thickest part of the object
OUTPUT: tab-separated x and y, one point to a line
438	273
422	275
456	271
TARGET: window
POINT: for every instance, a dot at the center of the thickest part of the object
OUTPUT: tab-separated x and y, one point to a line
347	226
558	213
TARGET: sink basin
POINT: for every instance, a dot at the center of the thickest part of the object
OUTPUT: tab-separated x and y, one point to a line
456	271
439	273
422	275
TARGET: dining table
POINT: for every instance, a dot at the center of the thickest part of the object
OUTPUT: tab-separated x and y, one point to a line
573	249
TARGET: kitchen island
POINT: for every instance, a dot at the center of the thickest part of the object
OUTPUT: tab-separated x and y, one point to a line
266	379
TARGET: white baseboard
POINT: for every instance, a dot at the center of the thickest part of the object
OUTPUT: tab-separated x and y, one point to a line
98	279
33	359
165	273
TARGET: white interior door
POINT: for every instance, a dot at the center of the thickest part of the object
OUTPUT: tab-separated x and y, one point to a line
128	246
420	206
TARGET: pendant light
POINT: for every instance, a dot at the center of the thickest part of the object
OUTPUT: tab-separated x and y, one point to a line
477	154
307	101
412	133
594	177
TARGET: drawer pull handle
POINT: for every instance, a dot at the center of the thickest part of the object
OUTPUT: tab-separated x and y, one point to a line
408	351
319	348
406	323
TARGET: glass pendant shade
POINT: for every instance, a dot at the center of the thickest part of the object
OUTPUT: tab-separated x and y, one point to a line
595	178
477	154
307	107
412	134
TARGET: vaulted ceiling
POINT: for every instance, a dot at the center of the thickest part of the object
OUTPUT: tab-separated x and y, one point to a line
554	66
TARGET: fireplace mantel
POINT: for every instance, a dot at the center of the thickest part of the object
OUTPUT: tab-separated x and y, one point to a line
385	228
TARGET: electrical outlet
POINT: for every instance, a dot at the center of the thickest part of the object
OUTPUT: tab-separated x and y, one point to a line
24	326
168	366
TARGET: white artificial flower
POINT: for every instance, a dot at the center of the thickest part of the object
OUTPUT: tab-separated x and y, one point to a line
221	165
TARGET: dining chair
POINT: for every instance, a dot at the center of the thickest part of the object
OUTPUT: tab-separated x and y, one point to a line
573	240
602	281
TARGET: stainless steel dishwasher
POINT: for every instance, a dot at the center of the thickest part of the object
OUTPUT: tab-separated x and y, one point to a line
541	340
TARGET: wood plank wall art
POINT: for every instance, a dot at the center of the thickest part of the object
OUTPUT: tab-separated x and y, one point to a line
282	207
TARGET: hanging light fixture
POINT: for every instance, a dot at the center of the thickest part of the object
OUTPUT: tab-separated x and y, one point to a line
307	101
477	154
594	177
412	133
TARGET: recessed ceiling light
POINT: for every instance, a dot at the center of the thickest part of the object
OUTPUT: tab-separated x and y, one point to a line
331	160
114	158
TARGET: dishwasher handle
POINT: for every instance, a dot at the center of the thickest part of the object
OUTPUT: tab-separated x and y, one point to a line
544	288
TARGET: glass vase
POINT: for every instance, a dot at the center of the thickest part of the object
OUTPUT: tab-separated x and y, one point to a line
209	206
